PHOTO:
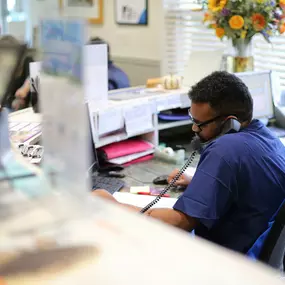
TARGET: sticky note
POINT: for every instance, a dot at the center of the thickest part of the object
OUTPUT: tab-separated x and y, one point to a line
137	189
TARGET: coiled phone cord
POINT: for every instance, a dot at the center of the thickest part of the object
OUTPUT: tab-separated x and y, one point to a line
171	184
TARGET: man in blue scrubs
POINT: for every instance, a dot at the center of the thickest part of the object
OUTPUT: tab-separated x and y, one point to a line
239	183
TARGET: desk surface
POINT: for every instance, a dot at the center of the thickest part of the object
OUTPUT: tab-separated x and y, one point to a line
144	173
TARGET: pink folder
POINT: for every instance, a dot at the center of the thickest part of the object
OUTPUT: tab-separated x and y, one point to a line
126	147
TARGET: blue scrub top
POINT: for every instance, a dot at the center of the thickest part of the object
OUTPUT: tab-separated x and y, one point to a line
117	77
237	188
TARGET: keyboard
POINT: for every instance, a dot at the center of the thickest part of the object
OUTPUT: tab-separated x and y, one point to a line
110	184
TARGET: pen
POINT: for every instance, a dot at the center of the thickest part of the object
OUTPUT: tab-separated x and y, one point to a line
149	194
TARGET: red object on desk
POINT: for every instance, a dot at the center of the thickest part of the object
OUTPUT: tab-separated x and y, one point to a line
149	194
126	147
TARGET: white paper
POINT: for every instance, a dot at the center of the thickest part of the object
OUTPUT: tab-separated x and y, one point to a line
18	127
168	102
138	119
110	120
35	69
137	189
13	124
190	171
143	200
95	78
30	127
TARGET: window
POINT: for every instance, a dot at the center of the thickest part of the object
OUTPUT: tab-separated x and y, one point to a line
15	11
270	56
184	32
11	5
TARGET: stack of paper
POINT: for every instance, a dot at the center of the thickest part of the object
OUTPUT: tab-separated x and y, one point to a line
23	131
138	119
143	200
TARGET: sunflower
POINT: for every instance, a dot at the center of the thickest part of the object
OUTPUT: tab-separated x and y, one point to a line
216	5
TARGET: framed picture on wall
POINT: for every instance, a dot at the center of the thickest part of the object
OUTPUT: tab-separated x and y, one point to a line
90	9
131	12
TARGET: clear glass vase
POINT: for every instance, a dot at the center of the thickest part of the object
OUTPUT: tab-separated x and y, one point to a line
243	56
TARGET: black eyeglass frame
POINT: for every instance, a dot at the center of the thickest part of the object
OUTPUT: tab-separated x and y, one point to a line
202	124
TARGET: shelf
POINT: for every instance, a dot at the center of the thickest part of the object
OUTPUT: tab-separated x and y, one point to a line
169	125
120	137
111	139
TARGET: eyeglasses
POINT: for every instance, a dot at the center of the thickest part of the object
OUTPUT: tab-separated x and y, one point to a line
200	125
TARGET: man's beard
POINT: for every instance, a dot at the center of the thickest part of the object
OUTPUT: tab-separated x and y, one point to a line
197	136
196	144
206	141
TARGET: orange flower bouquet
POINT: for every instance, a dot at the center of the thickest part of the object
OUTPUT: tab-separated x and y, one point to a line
240	20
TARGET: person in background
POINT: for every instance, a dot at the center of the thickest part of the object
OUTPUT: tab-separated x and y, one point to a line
21	95
117	78
239	183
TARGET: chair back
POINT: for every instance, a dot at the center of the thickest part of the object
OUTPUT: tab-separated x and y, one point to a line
273	250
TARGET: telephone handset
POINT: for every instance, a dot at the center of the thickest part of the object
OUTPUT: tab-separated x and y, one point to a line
231	125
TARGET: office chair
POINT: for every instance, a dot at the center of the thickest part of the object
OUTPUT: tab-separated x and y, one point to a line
273	249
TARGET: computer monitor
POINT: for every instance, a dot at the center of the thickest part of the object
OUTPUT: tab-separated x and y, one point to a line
201	64
261	87
109	182
93	158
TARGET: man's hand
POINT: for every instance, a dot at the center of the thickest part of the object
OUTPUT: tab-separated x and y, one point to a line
103	194
169	216
21	93
184	180
18	104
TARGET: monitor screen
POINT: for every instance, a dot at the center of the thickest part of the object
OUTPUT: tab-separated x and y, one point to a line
260	87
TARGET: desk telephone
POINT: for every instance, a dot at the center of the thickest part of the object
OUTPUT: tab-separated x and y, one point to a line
231	125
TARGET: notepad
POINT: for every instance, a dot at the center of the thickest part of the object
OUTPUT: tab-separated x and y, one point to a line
143	200
137	189
190	171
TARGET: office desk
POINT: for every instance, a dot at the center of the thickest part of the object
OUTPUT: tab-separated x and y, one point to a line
143	173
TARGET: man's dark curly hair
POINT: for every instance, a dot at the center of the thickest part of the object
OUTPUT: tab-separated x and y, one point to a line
225	93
